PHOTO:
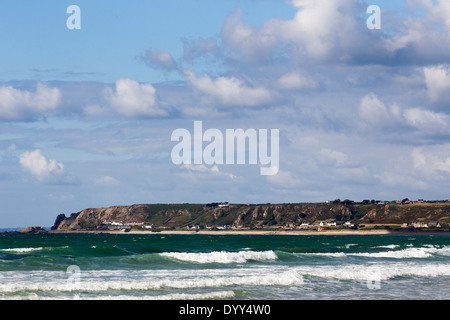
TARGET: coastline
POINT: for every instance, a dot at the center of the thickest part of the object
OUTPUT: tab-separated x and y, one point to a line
262	232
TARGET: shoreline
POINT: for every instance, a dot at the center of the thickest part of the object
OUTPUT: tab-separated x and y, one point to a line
262	232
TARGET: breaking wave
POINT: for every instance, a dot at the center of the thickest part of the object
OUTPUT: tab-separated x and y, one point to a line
382	272
22	250
172	296
207	279
30	250
423	252
222	256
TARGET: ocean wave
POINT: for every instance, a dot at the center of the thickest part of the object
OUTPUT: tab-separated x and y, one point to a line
347	246
206	279
398	254
172	296
389	246
422	252
222	256
33	249
408	253
22	250
377	272
325	254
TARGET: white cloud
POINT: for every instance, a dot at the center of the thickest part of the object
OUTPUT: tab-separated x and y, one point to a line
376	115
228	91
202	169
19	105
132	99
336	31
318	24
106	181
431	161
283	179
316	30
39	166
425	35
427	119
437	79
419	158
374	112
338	157
294	81
159	60
248	43
10	150
198	48
401	181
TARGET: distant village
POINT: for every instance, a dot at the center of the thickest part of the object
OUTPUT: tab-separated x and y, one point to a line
122	226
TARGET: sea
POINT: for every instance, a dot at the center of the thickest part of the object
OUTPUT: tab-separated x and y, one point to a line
223	267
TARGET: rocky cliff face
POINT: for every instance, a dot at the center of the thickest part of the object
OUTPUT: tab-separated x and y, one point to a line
94	218
181	215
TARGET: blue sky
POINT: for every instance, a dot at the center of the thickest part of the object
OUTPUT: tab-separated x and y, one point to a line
111	33
86	116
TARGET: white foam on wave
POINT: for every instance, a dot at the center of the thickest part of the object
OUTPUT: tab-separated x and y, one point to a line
27	250
389	246
398	254
172	296
222	256
326	254
22	250
379	272
102	282
422	252
411	252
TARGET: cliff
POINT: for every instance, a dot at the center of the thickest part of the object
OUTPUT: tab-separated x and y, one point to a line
170	216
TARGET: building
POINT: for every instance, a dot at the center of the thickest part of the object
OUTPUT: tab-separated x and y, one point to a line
304	225
121	227
349	224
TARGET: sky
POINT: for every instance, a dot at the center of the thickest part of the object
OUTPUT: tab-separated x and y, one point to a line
87	114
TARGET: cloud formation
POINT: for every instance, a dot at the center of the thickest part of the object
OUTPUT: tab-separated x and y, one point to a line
40	167
132	99
159	60
106	181
20	105
228	91
437	79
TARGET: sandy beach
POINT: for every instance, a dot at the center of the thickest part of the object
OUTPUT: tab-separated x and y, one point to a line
262	232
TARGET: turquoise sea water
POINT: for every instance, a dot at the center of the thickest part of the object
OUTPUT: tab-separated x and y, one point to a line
197	267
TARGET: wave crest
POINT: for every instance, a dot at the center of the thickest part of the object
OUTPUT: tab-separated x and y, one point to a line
222	256
22	250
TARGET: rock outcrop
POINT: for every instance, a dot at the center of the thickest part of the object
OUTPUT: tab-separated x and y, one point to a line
34	230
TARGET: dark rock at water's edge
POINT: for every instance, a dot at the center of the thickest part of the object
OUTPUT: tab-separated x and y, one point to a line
34	230
10	230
